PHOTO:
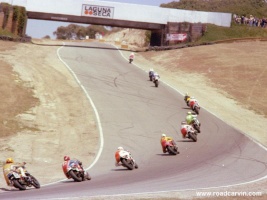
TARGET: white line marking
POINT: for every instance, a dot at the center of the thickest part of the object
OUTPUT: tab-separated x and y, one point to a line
96	114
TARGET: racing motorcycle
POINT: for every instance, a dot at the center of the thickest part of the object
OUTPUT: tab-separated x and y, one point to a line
170	147
20	182
72	169
127	160
194	106
189	133
131	57
196	124
156	81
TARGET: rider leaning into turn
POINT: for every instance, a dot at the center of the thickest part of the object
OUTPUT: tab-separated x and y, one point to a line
190	118
117	156
185	128
165	138
67	158
187	98
11	166
151	72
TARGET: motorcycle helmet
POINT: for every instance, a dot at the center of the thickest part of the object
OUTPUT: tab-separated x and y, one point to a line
120	148
151	70
9	160
189	113
66	158
163	135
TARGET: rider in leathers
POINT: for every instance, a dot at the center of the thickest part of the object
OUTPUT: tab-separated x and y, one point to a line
164	137
190	118
187	98
185	128
11	166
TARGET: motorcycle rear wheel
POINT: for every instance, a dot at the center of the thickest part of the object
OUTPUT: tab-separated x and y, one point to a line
75	177
171	150
193	136
156	83
197	128
126	164
196	110
18	185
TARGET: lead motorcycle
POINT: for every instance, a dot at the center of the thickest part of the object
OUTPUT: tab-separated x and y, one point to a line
72	169
127	160
20	182
169	147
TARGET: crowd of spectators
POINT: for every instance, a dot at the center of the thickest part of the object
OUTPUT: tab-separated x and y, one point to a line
251	21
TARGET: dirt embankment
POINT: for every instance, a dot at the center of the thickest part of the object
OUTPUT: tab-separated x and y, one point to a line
44	113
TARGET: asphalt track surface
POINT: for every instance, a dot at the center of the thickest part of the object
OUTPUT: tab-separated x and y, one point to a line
133	114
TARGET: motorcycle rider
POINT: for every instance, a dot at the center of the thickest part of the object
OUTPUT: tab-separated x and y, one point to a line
11	166
156	75
151	72
185	128
187	98
165	138
192	99
190	118
67	158
117	156
131	57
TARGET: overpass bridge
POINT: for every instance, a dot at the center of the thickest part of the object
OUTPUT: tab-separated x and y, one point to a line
161	21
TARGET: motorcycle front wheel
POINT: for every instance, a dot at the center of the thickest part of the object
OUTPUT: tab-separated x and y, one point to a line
196	110
156	83
35	182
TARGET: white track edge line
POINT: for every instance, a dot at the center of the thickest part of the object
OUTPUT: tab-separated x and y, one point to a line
96	115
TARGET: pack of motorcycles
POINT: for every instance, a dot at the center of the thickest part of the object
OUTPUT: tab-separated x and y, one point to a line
73	170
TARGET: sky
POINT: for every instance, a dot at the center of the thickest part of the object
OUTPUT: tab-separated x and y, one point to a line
41	28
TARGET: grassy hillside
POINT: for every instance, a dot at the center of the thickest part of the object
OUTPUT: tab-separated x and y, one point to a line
215	33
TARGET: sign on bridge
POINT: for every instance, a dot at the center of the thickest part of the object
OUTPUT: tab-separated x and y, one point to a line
176	37
97	11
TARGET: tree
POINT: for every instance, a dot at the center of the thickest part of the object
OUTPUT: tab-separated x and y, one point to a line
77	31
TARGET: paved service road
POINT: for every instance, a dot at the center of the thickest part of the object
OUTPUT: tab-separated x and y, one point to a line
134	114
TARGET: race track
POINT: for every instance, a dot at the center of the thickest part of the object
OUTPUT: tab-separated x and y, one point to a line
134	114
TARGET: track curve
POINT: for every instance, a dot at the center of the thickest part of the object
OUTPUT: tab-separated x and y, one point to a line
133	114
